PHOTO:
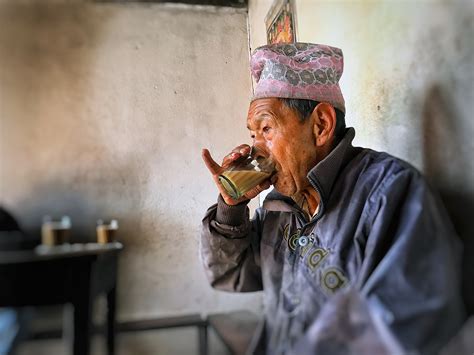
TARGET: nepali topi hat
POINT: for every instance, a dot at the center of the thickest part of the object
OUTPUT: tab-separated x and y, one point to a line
298	71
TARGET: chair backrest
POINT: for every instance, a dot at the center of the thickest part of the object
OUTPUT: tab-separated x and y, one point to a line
11	235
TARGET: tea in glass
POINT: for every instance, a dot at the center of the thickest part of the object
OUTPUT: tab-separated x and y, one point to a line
245	173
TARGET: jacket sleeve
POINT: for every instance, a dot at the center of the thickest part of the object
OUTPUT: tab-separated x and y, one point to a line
229	247
410	276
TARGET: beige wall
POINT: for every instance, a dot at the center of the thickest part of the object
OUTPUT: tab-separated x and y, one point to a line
104	110
408	83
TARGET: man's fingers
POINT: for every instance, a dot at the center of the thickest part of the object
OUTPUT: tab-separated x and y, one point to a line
243	149
236	153
213	167
257	189
229	158
265	185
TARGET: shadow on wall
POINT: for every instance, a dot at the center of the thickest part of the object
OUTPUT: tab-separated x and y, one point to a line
84	202
443	162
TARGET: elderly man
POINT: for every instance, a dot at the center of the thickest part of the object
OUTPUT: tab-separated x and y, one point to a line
352	249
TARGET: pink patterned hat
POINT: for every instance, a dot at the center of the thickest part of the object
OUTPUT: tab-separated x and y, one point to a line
298	71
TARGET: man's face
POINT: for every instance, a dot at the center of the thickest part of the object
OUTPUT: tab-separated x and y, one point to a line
278	132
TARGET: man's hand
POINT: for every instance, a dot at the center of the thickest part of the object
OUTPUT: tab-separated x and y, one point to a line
217	169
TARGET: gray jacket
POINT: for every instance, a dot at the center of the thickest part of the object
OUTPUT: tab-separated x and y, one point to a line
380	230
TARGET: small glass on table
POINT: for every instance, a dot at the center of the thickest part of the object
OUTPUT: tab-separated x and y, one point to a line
106	231
55	232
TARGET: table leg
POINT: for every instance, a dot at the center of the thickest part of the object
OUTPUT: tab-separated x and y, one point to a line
111	302
82	324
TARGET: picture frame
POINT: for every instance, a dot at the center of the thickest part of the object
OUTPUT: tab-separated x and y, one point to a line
280	22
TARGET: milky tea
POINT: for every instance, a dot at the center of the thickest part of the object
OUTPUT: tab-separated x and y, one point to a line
246	173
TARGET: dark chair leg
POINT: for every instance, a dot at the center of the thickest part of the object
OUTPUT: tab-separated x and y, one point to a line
203	340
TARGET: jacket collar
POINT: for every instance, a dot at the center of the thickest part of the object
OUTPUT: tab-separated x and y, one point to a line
323	175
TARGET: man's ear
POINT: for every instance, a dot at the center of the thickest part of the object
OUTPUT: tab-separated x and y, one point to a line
324	123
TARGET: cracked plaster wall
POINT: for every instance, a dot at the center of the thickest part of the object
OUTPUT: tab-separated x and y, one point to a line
104	110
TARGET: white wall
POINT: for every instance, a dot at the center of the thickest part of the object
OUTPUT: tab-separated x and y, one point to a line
398	54
104	110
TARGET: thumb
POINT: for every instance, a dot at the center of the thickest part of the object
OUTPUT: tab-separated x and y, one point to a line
211	165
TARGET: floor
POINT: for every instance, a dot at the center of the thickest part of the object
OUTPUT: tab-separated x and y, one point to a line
167	342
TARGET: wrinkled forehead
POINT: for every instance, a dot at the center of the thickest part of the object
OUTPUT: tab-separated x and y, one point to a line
260	109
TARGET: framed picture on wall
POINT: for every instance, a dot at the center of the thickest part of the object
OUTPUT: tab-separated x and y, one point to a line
280	22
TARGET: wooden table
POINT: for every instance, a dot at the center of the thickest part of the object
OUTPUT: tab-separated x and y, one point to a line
73	274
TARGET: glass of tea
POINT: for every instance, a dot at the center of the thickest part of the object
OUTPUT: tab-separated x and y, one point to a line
55	232
106	231
245	173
